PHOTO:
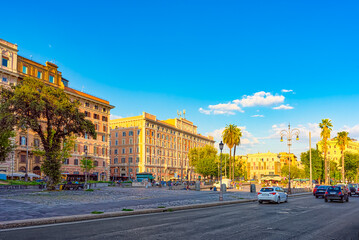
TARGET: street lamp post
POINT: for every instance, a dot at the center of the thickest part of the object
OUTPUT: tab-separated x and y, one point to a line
85	148
288	134
220	180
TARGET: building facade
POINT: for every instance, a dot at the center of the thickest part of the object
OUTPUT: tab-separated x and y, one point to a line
145	144
96	109
334	152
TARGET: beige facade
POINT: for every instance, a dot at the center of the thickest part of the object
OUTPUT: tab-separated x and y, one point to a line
145	144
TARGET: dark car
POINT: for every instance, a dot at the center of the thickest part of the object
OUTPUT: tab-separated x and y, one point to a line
315	189
321	191
338	193
354	189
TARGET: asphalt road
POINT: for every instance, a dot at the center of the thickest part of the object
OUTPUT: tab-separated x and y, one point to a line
301	218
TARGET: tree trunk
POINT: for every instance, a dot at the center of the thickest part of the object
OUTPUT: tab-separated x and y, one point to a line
230	163
234	159
325	169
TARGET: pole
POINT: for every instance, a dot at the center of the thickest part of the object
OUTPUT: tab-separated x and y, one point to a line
220	182
289	139
310	160
12	165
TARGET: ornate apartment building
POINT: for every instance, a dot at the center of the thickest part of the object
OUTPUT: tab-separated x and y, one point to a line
146	144
13	69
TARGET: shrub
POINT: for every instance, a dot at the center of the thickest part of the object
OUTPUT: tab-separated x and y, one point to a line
127	210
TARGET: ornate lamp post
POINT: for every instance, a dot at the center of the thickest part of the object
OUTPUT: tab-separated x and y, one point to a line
288	134
220	179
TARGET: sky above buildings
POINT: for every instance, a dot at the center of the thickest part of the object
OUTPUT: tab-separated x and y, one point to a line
256	64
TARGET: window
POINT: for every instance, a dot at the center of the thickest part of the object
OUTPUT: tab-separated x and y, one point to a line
137	159
130	159
130	133
95	163
123	150
96	107
36	142
76	162
115	160
24	69
66	161
103	164
123	160
116	134
39	74
87	104
131	141
104	138
4	79
76	173
123	141
23	141
116	142
130	150
103	151
116	151
123	134
104	109
23	158
5	62
51	79
138	132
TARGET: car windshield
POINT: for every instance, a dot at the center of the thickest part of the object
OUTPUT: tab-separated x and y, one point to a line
267	190
322	187
352	185
334	189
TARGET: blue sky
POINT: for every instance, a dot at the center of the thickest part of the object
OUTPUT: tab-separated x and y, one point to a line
164	56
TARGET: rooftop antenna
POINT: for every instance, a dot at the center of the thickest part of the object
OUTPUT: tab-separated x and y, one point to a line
30	57
82	90
179	114
184	113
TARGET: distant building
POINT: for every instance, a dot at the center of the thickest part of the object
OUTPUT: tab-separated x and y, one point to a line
334	153
146	144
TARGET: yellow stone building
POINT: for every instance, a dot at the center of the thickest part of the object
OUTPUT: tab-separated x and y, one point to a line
260	165
334	153
146	144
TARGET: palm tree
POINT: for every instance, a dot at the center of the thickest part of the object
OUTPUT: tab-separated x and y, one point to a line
342	142
228	136
237	141
326	127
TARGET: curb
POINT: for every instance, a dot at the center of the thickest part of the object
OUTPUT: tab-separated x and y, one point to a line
75	218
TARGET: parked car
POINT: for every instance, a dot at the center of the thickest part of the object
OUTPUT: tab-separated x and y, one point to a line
339	193
315	189
272	194
321	191
354	189
224	181
345	186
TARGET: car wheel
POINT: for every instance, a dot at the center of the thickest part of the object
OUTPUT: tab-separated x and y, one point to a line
316	196
278	200
347	199
286	199
342	200
260	202
325	200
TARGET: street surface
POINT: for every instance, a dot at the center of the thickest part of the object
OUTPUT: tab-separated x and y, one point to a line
302	217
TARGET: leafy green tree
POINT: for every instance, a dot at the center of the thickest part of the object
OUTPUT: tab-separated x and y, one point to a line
295	172
204	160
342	142
87	164
351	161
207	167
237	141
7	133
326	127
49	112
317	164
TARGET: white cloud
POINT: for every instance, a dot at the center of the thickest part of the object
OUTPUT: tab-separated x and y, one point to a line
260	99
303	131
286	90
258	115
283	107
353	131
221	108
114	116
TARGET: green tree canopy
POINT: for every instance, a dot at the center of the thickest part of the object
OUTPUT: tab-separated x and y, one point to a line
49	112
295	172
204	160
6	134
351	161
317	164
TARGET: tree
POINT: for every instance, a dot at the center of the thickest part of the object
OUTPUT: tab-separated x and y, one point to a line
326	127
7	134
50	113
230	138
237	141
204	160
295	172
351	166
87	164
317	164
342	142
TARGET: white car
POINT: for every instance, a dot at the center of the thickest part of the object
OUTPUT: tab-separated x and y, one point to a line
272	194
224	181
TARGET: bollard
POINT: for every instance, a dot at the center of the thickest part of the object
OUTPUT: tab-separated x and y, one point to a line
253	188
224	187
